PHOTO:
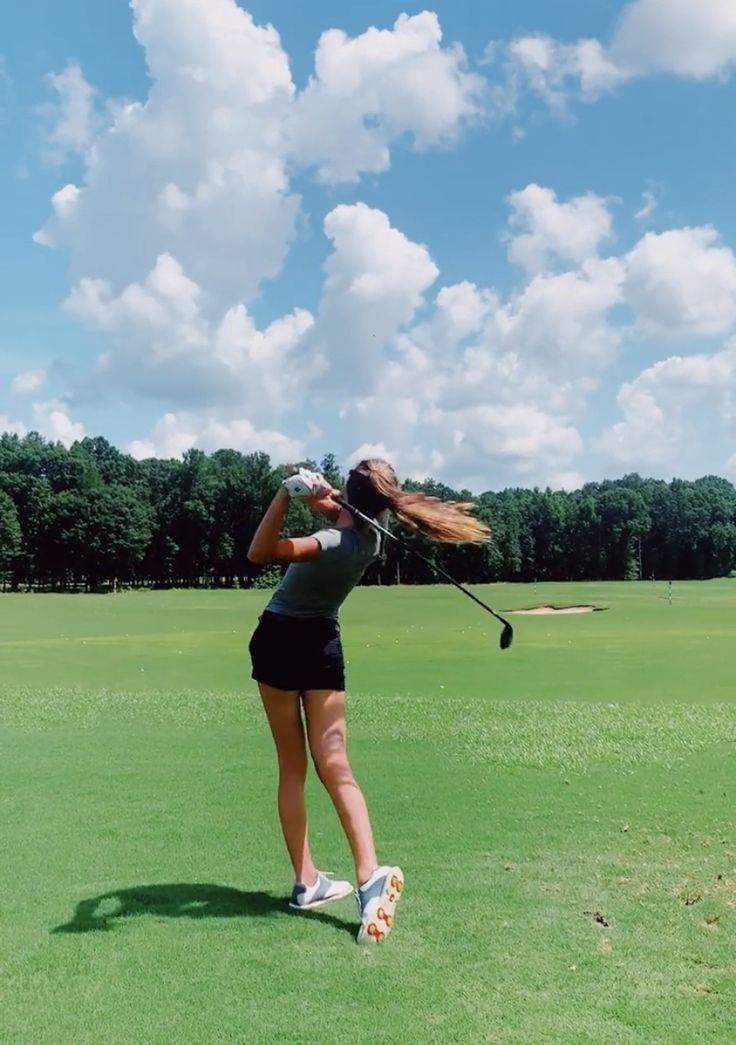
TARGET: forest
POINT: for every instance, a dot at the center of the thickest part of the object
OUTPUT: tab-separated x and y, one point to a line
91	518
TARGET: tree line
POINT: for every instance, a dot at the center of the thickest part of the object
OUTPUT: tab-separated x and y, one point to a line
90	517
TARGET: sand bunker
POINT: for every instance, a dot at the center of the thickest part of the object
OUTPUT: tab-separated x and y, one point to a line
539	611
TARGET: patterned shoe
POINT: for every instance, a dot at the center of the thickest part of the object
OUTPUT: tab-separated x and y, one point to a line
377	900
324	891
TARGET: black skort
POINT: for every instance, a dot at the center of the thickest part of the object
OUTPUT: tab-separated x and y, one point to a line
297	653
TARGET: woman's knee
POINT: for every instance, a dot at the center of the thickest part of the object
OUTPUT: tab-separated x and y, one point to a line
333	769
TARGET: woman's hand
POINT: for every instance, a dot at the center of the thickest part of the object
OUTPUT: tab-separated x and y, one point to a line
321	500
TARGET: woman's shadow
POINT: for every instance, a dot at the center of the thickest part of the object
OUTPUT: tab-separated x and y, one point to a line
182	900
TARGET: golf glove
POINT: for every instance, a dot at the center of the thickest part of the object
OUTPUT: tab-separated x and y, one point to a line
305	484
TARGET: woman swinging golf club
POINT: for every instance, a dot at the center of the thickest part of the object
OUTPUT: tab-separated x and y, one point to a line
298	664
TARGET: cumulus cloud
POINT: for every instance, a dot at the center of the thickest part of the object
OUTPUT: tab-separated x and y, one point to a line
72	120
666	404
477	384
682	282
198	170
530	438
553	70
162	345
372	90
52	420
477	387
676	36
697	41
561	320
544	232
649	204
566	481
201	169
506	383
27	382
367	450
186	205
13	427
375	279
174	434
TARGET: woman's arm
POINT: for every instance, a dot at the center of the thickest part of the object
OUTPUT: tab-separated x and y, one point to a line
325	506
266	546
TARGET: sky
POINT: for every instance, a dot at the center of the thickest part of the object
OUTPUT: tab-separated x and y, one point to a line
492	242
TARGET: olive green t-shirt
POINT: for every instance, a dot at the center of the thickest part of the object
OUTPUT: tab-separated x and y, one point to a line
319	587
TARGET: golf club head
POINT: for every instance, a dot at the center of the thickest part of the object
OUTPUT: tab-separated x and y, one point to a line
507	636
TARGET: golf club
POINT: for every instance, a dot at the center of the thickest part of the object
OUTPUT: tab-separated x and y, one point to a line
507	635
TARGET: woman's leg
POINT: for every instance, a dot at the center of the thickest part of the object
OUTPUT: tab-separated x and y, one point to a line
325	714
283	710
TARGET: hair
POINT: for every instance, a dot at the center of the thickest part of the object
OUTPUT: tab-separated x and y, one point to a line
373	488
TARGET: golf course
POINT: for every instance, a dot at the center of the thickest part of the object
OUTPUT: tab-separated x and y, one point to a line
563	813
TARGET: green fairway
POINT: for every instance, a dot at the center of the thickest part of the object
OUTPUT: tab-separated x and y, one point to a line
563	812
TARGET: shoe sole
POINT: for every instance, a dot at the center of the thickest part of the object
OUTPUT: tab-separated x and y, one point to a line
378	920
323	902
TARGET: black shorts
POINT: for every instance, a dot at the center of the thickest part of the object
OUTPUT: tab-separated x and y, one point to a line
297	653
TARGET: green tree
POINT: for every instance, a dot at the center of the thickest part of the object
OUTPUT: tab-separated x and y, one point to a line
11	537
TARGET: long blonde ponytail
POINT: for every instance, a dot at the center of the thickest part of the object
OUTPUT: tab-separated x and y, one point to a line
373	487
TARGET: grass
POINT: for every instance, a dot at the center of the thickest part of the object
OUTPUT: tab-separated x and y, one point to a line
563	812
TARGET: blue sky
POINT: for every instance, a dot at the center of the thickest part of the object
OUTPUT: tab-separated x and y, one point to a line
501	257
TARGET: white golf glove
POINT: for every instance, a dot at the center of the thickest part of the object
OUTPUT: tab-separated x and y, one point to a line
305	484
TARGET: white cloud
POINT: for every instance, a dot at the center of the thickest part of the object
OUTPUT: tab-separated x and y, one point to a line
543	231
171	436
185	206
72	120
645	436
488	396
375	282
547	345
372	90
561	321
678	37
62	203
682	282
52	420
174	434
368	450
27	382
201	169
462	310
649	204
566	481
198	170
514	373
668	403
514	444
11	426
521	432
482	386
553	70
162	346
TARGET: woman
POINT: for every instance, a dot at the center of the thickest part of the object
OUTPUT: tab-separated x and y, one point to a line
298	664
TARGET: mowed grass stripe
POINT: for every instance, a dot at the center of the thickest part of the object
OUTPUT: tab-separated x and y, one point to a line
569	736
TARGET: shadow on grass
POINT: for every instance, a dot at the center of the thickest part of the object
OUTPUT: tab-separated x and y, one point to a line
182	900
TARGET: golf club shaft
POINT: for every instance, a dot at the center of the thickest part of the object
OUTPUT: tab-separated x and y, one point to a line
424	559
